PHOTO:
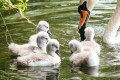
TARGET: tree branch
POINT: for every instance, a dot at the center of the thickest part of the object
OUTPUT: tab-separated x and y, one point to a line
9	3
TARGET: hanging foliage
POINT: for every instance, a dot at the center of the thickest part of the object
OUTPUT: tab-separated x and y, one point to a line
20	4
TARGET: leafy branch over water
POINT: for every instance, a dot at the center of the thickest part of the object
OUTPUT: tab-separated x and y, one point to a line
19	7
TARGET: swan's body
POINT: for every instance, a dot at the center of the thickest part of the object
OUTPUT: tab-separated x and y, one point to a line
82	57
89	41
16	49
26	49
84	9
112	27
50	58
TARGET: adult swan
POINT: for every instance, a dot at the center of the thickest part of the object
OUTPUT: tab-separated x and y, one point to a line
112	27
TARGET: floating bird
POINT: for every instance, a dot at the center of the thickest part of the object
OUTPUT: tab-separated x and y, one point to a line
42	26
89	41
51	58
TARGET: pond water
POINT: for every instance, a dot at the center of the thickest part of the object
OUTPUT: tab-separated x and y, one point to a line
63	18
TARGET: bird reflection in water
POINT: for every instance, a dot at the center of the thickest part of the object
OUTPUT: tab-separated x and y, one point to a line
90	70
41	73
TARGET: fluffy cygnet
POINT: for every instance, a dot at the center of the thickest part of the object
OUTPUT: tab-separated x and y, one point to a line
26	49
42	26
89	42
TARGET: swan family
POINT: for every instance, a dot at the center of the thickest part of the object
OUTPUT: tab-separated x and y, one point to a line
110	35
41	50
34	52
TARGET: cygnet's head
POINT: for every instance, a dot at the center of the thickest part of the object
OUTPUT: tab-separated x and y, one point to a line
43	26
42	39
53	47
89	33
75	46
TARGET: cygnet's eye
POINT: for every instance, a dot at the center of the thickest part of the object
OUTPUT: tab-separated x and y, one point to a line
42	37
46	27
46	39
54	46
71	46
39	26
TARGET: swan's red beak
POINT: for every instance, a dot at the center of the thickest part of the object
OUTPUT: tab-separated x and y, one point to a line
84	18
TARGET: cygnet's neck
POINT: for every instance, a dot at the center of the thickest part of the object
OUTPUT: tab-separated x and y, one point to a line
38	30
42	46
52	53
89	38
79	48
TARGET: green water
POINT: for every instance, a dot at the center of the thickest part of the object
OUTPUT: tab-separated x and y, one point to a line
63	19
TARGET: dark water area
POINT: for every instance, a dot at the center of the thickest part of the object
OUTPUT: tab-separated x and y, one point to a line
63	18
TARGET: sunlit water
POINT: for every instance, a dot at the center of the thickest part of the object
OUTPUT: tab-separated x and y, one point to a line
63	19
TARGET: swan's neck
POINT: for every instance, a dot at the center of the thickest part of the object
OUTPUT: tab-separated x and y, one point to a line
91	4
112	26
82	32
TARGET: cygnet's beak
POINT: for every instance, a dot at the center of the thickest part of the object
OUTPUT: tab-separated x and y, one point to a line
84	18
49	32
58	53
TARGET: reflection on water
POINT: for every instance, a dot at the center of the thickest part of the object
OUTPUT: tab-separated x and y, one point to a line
37	73
63	18
92	71
75	78
41	73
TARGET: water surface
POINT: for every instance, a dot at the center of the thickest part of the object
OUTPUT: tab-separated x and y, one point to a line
63	18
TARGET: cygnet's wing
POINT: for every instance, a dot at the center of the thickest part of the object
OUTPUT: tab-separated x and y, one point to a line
41	60
79	58
18	49
32	57
91	45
